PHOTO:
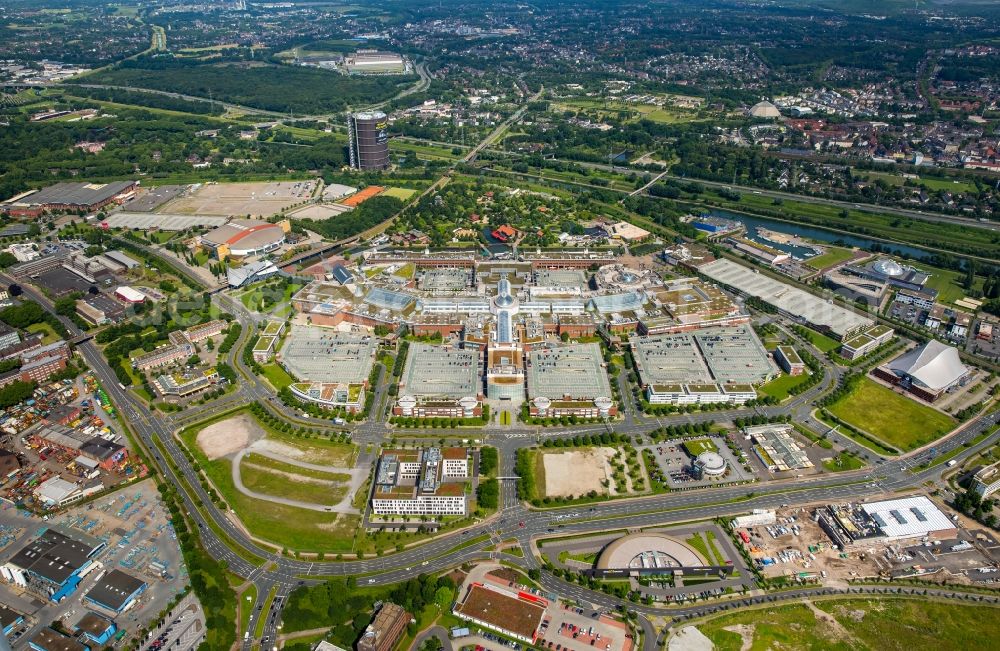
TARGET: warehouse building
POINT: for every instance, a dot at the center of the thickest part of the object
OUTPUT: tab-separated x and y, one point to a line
515	614
52	565
440	381
776	449
840	322
95	629
116	591
107	454
887	521
9	620
99	309
245	237
48	639
375	62
69	197
569	381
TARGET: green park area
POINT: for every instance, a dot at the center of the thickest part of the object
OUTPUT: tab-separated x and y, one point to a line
652	112
902	423
858	624
781	385
819	340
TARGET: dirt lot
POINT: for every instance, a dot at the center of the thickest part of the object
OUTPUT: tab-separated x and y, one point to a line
794	553
318	212
241	199
229	436
577	472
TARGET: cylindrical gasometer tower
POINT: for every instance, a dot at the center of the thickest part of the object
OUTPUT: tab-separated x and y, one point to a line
368	135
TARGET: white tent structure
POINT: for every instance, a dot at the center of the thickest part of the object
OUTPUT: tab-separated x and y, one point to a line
933	366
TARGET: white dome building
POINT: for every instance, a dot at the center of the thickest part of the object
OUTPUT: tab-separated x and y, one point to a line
888	267
709	464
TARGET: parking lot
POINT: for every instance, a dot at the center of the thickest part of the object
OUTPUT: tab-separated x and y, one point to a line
182	629
573	628
674	464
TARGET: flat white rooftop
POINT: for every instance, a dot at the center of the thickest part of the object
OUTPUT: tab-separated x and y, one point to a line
908	517
840	321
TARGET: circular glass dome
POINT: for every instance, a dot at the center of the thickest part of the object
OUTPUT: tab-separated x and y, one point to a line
888	267
505	300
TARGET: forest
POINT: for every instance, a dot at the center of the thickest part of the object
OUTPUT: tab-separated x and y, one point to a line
281	88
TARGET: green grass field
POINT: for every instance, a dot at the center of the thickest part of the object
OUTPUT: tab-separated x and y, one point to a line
780	386
948	283
843	462
247	601
264	475
897	420
277	376
664	114
400	193
821	341
695	447
859	624
285	526
698	543
49	335
834	255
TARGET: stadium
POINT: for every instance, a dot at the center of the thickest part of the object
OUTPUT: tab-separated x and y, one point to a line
241	238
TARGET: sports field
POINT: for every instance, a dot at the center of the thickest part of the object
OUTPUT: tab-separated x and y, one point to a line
400	193
858	624
895	419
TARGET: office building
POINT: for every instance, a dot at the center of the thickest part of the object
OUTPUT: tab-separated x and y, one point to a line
385	630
